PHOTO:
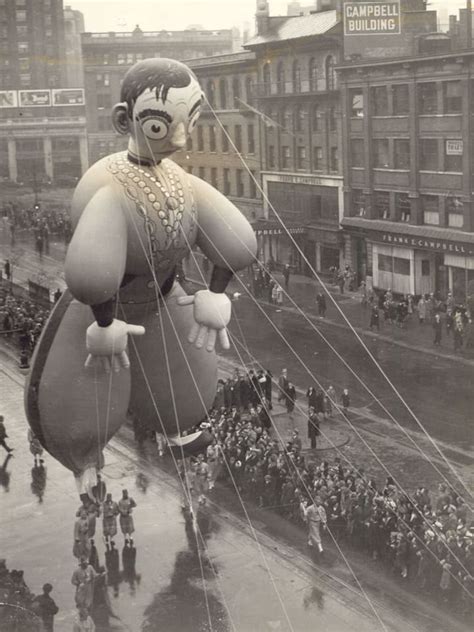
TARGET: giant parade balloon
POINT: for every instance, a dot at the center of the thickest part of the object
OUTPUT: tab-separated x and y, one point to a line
125	335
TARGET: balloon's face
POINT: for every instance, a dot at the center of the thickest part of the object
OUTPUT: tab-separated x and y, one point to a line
161	128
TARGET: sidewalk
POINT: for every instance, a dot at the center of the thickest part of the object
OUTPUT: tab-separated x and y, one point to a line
302	293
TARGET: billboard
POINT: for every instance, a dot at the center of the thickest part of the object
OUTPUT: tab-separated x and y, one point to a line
372	18
8	99
68	96
34	98
454	147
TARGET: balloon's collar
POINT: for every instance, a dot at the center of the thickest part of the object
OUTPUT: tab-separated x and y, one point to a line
142	162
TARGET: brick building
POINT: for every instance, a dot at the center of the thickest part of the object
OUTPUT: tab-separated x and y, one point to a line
408	171
42	122
225	147
300	131
107	56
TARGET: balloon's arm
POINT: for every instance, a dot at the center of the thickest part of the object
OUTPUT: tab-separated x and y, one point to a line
224	235
96	257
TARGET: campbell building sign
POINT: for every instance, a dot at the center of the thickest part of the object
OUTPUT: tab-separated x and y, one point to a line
372	18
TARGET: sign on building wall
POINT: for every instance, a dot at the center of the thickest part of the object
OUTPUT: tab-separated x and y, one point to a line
34	98
454	147
8	99
372	18
68	96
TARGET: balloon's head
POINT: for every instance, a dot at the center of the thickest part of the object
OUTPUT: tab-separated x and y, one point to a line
160	104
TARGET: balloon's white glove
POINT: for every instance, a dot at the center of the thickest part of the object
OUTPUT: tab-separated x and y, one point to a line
107	345
211	315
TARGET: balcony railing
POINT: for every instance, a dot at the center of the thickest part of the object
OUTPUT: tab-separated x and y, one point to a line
57	121
282	88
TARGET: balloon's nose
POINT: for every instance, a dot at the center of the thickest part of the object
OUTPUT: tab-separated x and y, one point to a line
179	136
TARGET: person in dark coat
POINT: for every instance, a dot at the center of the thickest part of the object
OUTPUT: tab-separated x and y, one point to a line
311	396
290	398
438	329
282	385
374	318
346	400
321	301
286	275
46	608
3	436
313	427
268	388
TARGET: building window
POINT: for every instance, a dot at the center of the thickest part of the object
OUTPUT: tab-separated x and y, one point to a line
357	103
300	118
334	162
381	158
238	137
318	158
358	203
402	207
296	76
285	157
202	173
225	138
427	98
223	93
301	157
452	162
21	16
330	73
317	118
200	139
271	156
357	152
21	31
401	153
212	138
102	79
400	99
226	182
239	174
452	97
382	204
430	207
248	88
103	101
251	138
280	77
332	119
253	185
214	182
313	74
379	98
210	94
288	119
236	90
121	59
395	265
266	79
429	159
455	211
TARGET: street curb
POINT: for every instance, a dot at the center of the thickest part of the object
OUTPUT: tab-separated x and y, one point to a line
360	330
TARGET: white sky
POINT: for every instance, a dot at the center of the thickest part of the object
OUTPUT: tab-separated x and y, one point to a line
154	15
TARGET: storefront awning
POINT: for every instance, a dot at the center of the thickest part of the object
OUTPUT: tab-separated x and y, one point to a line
407	235
268	227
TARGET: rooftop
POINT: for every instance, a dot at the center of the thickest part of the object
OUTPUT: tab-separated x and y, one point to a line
297	27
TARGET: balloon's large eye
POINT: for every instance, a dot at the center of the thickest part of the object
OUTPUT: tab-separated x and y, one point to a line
155	128
193	121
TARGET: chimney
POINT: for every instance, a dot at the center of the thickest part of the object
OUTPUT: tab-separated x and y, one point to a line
262	16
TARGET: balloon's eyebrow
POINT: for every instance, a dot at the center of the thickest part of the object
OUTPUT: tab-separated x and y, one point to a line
151	112
195	107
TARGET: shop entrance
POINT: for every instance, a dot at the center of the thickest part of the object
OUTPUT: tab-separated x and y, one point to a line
441	276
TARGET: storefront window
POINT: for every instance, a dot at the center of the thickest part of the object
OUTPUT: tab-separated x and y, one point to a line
379	98
427	98
397	265
429	159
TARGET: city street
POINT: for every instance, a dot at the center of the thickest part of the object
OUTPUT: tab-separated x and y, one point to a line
237	578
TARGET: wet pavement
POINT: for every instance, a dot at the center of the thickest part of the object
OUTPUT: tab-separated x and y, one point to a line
224	575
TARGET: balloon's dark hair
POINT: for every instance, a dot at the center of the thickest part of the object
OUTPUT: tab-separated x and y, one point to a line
158	74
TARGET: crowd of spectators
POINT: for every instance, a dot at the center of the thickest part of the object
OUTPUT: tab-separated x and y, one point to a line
21	320
41	221
424	538
20	609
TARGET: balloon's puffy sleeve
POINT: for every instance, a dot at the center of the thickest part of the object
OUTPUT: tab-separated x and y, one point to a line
96	257
224	234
